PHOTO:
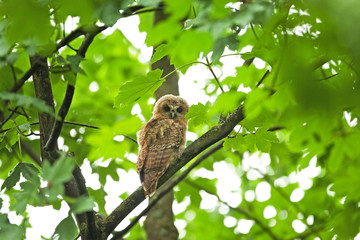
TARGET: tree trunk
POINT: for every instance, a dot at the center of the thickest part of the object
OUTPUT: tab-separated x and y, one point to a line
159	223
44	92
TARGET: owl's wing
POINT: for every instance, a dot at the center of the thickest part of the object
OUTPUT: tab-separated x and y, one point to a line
162	141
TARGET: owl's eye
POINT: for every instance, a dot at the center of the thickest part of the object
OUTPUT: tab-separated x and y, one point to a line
167	108
179	109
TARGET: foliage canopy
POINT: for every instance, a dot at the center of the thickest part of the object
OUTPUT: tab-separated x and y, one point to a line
293	159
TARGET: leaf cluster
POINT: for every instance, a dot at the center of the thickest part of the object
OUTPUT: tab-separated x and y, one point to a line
295	152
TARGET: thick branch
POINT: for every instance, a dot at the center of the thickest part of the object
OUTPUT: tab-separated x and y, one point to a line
56	130
164	191
214	135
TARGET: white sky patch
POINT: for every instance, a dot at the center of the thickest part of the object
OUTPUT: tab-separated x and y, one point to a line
92	180
132	157
180	225
190	136
94	86
310	220
204	173
263	191
46	219
351	122
282	182
297	195
224	209
230	221
119	138
73	132
256	161
249	195
244	226
269	212
228	184
258	63
129	27
181	207
298	226
192	84
208	201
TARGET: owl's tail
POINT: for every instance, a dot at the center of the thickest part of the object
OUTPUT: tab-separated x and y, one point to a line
149	184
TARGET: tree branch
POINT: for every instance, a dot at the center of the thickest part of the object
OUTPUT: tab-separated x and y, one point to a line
33	155
72	36
56	130
214	135
164	191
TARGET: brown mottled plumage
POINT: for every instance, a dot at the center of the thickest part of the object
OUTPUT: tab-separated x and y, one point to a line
161	140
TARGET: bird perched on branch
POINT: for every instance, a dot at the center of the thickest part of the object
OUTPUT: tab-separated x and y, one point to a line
161	140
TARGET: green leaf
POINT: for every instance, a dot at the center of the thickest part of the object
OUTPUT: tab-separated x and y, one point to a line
66	229
82	204
264	139
110	170
8	230
21	29
75	61
29	195
189	46
99	197
178	9
60	171
232	99
28	170
109	12
13	178
230	41
247	75
27	102
156	36
253	106
346	223
198	113
70	77
132	91
160	52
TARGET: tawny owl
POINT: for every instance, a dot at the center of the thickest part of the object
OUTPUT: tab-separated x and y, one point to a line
161	140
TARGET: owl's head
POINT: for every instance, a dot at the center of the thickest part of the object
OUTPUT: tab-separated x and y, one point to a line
171	106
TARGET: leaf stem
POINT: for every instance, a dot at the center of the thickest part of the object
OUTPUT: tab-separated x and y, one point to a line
213	73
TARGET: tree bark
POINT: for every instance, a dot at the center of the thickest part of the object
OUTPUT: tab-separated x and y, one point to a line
159	223
44	92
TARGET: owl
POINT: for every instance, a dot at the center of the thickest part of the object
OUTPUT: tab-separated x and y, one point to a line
161	140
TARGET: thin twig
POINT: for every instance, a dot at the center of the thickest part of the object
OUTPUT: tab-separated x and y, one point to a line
164	191
213	73
65	122
263	77
130	138
8	117
253	30
326	78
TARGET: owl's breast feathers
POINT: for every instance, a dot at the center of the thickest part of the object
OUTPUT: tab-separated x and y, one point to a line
161	141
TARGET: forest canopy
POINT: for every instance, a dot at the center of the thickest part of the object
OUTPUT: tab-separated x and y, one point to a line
273	144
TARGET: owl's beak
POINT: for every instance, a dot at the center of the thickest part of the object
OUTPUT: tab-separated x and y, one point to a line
172	114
